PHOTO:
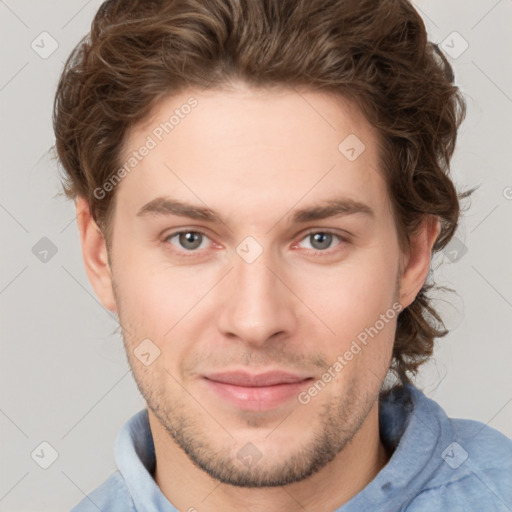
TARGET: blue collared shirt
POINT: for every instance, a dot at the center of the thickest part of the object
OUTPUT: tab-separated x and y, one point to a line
438	465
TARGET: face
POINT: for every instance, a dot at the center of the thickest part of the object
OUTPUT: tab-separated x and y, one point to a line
259	261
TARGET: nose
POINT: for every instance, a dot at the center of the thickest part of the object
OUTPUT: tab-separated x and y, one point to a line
255	305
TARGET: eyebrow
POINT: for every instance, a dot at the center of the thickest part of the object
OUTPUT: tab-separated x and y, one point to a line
169	206
330	208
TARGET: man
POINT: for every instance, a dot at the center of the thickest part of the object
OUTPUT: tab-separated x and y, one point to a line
260	186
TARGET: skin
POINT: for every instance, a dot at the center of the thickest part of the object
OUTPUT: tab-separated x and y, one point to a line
255	157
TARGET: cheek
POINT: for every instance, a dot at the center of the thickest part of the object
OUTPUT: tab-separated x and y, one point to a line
351	300
157	300
353	296
145	297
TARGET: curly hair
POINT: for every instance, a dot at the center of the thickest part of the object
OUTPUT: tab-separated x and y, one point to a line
373	52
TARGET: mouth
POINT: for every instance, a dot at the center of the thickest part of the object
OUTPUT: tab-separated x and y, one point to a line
256	392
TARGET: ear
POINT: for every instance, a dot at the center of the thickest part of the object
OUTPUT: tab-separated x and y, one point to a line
416	263
94	252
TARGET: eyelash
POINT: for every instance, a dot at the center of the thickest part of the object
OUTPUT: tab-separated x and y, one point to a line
317	252
342	240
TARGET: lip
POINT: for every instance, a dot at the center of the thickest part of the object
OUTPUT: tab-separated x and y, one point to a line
239	378
256	392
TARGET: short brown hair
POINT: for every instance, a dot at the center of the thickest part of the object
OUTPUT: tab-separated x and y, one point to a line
374	52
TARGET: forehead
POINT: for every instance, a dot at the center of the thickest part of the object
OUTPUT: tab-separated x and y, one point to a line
253	150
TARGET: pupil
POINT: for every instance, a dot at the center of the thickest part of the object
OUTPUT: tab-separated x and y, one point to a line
190	240
321	240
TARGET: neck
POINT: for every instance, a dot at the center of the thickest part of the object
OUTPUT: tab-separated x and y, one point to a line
189	488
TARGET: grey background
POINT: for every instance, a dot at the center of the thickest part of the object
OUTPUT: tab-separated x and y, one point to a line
64	376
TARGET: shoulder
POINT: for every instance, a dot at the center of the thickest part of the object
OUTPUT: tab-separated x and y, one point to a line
476	473
476	449
485	446
111	496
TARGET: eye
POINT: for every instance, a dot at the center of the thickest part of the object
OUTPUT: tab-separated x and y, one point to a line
321	240
188	240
